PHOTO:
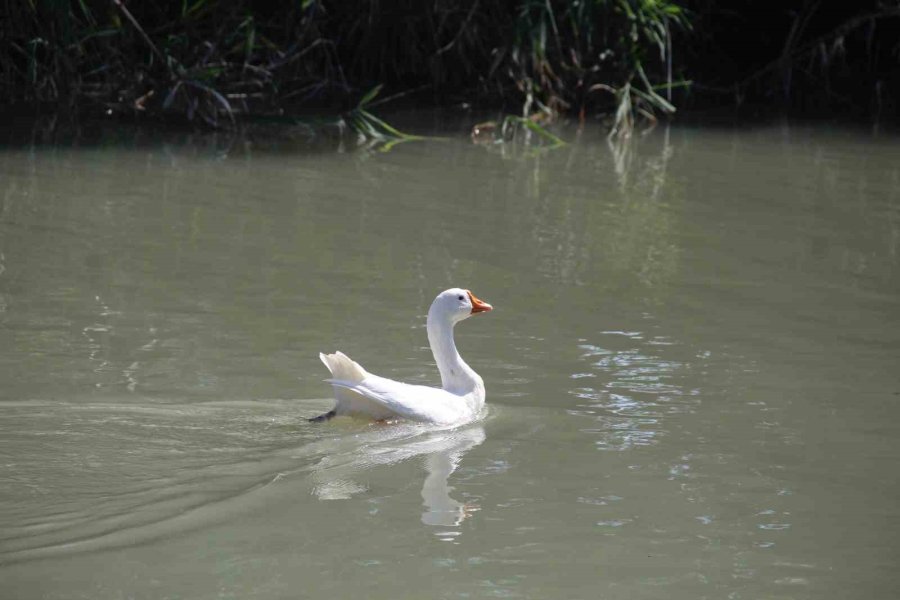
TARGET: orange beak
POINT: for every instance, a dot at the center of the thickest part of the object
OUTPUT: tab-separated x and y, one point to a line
478	305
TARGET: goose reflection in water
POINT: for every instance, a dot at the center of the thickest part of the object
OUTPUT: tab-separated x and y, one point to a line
443	451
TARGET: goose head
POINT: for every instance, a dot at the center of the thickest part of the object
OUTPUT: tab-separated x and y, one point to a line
457	304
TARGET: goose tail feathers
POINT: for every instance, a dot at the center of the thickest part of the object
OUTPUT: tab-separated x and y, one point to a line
343	368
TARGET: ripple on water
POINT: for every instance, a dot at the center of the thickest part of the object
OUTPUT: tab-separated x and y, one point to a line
98	475
641	380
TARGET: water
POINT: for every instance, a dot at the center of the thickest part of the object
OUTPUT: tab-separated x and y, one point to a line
692	369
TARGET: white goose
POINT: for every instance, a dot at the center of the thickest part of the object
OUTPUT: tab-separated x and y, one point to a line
460	397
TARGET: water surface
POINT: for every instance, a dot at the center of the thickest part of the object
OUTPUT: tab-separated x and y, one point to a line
692	368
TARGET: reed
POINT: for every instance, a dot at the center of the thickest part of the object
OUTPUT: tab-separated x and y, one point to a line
216	61
809	58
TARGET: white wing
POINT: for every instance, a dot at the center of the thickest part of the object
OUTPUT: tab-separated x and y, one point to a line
416	402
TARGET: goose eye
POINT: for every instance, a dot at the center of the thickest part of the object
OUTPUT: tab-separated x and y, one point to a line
460	298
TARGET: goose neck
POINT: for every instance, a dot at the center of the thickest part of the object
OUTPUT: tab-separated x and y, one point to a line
456	375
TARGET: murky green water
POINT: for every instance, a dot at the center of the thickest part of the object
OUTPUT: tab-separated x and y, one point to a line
693	370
